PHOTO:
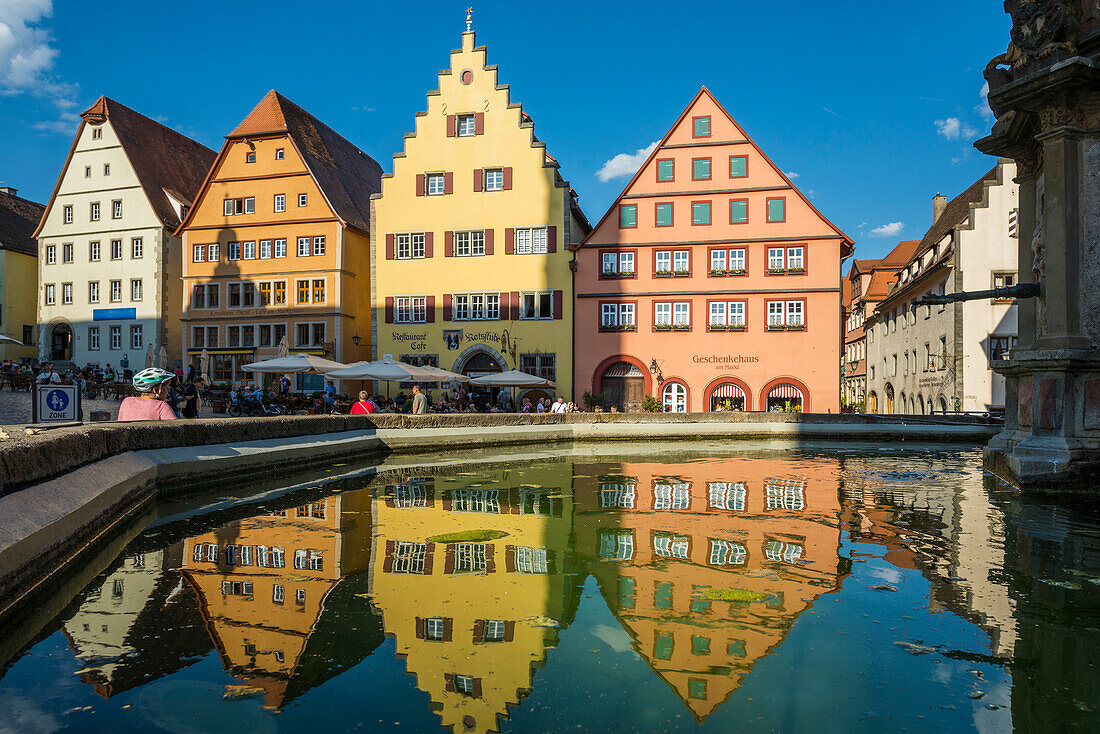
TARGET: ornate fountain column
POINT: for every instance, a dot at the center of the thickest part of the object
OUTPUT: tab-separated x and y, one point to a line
1045	92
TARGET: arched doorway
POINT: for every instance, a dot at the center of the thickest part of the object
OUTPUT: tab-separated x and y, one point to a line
728	396
785	397
872	402
920	403
479	364
890	408
623	386
61	343
674	397
943	405
902	405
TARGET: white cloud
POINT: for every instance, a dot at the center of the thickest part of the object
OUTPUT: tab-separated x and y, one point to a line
893	229
952	128
982	108
790	174
27	58
625	164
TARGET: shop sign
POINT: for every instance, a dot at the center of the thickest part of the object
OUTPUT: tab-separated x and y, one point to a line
725	361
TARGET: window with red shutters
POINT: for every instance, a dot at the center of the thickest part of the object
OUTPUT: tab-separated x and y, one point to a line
446	306
479	176
448	183
489	242
479	123
514	302
509	241
420	190
448	244
389	309
428	244
508	179
551	239
429	311
559	298
389	247
452	125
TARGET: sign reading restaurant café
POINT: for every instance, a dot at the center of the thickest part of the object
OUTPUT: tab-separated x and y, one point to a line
452	338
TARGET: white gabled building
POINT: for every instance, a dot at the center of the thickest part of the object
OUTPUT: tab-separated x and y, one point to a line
923	358
109	266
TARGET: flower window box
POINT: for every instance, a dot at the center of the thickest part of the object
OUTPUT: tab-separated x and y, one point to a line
736	327
663	327
626	327
681	273
796	327
681	327
717	327
718	273
795	271
776	327
663	274
776	271
626	273
736	271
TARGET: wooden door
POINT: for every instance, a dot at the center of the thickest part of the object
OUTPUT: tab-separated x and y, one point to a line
633	392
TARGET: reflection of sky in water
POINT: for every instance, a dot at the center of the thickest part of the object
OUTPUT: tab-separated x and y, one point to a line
833	592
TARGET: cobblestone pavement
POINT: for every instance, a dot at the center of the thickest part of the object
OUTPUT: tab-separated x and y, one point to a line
15	408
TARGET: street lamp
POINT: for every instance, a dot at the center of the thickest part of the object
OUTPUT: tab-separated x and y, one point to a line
355	340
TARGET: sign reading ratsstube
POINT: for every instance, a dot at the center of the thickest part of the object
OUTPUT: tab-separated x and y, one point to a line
55	404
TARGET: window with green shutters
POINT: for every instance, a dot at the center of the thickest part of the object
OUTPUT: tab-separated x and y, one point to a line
739	211
662	646
700	169
662	595
628	216
664	215
666	170
700	645
777	210
626	592
700	212
700	127
739	166
697	688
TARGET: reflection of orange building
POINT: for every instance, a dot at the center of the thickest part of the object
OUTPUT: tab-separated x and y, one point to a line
673	544
474	613
264	582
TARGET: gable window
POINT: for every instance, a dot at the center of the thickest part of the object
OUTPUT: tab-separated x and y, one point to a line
494	179
67	213
777	210
663	215
242	205
436	184
303	199
87	171
116	209
280	203
531	241
106	169
700	127
700	212
628	216
250	157
739	166
97	133
700	169
279	154
666	169
466	126
95	211
469	244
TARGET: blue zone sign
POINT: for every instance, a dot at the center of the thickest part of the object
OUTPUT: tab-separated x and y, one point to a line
56	404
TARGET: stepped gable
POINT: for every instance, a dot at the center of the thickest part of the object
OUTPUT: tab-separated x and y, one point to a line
346	175
955	213
18	220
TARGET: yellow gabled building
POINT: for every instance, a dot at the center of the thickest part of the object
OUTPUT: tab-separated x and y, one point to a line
471	236
277	245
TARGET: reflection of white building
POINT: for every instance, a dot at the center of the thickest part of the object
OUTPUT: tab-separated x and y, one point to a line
109	270
923	358
100	629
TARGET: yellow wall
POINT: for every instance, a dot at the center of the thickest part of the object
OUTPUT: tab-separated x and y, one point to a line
19	299
535	603
533	201
344	266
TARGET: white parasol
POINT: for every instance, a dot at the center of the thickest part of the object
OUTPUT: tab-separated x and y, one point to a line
390	370
294	364
512	378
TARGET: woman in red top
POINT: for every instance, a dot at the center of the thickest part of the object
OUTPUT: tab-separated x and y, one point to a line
364	406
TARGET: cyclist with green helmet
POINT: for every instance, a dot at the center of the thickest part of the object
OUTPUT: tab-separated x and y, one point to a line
149	405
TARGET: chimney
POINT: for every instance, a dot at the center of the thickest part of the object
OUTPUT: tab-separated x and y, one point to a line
939	203
9	190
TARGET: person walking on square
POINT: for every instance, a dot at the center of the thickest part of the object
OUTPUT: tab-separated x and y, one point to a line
364	406
150	405
191	397
420	403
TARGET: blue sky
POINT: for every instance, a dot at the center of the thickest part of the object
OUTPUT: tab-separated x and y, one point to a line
873	105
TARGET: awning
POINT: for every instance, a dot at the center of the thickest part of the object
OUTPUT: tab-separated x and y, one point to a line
786	392
623	369
222	351
728	390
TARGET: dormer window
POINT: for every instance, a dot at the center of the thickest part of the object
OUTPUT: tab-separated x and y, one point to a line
279	154
250	157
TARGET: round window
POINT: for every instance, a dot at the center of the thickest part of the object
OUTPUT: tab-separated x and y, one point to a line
467	76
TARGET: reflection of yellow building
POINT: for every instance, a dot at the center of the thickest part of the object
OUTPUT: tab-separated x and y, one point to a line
672	545
472	615
264	582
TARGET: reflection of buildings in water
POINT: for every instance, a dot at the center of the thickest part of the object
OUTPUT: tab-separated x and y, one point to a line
952	535
475	613
670	545
269	587
118	632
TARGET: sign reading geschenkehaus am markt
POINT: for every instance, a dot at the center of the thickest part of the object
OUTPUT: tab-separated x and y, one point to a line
471	236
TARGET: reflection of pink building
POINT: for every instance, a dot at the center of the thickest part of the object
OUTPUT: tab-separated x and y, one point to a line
711	281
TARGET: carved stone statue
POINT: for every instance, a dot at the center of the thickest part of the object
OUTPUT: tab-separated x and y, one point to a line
1039	28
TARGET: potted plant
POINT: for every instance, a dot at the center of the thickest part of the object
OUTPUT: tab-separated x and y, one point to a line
651	404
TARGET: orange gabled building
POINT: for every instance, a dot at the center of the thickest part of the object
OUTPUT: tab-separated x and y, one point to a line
277	245
712	282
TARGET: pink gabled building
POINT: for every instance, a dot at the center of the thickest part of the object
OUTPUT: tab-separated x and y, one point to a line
712	282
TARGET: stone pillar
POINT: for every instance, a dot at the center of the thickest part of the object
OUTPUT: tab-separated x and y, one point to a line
1045	91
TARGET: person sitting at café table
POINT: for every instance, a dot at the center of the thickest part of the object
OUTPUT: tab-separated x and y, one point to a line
364	406
284	385
48	375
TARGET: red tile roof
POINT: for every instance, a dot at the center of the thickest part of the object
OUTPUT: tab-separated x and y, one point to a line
18	219
346	175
